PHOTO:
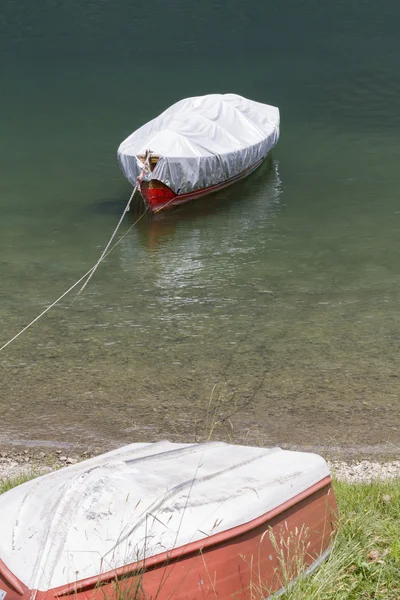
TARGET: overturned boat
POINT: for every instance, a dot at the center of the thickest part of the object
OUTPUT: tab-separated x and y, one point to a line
167	521
198	146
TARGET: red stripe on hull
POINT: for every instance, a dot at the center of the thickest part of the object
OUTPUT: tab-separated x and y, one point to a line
241	562
161	198
157	197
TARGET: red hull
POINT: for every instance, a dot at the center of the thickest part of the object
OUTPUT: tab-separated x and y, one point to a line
158	196
241	563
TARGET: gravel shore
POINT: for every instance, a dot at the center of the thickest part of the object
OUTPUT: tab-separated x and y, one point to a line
365	471
14	464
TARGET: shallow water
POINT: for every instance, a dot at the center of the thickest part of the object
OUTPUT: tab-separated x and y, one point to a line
267	313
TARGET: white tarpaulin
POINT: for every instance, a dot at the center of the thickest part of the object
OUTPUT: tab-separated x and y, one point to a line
142	500
202	141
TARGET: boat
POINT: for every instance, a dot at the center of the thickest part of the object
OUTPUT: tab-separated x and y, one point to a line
198	146
167	521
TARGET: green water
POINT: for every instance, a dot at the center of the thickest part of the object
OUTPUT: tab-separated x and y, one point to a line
277	299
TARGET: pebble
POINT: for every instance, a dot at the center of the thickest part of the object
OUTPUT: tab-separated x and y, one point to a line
365	471
373	555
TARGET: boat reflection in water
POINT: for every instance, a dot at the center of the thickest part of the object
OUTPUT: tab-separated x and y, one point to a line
255	198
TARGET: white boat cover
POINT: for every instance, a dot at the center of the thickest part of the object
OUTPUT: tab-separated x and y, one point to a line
141	500
202	141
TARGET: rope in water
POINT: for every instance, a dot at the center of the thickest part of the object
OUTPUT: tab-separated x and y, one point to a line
146	165
89	274
71	288
109	242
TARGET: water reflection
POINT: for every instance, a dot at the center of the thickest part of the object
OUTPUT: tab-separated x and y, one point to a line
258	195
196	256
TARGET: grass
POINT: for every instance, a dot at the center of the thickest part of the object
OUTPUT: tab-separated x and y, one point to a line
365	558
364	562
11	482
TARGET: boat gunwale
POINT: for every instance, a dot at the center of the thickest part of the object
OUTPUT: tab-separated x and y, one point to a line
12	580
200	192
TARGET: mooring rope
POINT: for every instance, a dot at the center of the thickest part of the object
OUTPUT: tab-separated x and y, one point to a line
89	274
146	165
109	242
72	286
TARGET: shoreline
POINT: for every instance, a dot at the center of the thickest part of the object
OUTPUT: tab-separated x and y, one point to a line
358	469
335	451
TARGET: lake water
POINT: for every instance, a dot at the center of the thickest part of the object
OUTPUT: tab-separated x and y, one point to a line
268	313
